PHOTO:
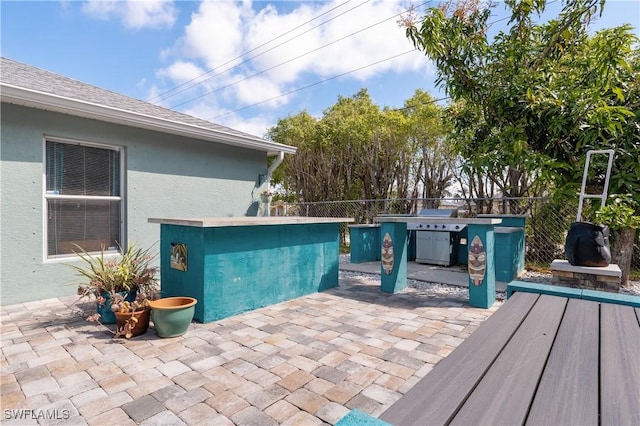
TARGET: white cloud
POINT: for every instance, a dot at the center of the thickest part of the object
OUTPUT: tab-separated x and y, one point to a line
256	125
367	34
214	34
181	71
134	14
259	89
239	40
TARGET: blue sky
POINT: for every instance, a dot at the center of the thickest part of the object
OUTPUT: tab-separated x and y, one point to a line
270	59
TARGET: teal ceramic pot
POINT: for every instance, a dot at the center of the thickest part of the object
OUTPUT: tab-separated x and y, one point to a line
106	314
171	316
104	309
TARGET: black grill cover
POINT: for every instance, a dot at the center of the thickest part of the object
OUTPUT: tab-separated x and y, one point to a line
587	244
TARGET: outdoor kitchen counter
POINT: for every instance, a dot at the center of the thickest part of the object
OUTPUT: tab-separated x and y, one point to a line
236	264
480	251
438	220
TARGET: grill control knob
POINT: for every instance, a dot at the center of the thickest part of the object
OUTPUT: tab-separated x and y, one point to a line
428	226
457	226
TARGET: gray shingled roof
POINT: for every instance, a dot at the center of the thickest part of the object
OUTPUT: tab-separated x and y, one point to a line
34	79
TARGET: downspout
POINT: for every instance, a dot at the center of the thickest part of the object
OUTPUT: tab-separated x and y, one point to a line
274	166
265	206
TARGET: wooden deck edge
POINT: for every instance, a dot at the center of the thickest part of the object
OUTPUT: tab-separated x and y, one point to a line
538	288
616	298
575	293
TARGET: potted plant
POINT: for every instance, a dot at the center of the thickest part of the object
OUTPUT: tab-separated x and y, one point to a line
132	318
266	197
113	279
172	315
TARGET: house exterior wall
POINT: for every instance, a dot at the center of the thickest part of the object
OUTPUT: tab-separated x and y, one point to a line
165	176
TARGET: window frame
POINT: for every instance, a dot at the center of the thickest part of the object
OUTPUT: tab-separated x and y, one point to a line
47	196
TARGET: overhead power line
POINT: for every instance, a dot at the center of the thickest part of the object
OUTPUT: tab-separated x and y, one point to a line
311	85
286	62
333	78
272	48
432	101
172	92
322	81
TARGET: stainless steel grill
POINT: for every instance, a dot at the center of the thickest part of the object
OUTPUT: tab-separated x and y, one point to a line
437	242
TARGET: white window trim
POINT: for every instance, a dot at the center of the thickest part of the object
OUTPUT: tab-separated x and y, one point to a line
45	196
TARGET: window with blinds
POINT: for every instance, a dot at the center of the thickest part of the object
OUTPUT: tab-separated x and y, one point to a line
83	198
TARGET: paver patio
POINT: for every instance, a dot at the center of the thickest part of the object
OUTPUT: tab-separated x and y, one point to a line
305	361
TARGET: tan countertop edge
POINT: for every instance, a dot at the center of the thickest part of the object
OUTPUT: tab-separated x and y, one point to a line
443	220
211	222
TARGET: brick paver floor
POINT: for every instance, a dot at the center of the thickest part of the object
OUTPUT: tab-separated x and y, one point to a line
306	361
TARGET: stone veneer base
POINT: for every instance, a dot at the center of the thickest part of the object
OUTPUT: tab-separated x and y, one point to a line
606	278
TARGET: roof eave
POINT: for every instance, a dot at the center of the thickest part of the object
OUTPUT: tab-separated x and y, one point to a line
46	101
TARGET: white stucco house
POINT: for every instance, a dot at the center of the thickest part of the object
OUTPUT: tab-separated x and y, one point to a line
87	166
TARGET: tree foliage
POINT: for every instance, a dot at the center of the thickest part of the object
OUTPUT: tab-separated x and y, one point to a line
528	103
357	150
433	157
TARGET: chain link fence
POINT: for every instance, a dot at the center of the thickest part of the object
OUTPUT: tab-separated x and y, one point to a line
547	221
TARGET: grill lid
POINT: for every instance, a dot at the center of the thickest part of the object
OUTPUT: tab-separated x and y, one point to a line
438	213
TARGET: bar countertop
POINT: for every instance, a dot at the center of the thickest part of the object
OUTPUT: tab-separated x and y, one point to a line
218	222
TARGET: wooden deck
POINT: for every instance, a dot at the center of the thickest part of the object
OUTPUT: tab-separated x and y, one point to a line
540	359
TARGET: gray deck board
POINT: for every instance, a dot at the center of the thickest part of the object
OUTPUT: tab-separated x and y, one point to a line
539	360
619	365
504	395
568	390
437	396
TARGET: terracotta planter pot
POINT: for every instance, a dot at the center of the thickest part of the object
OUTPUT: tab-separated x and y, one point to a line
171	316
141	326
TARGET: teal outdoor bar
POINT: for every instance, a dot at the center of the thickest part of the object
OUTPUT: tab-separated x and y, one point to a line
237	264
510	246
365	242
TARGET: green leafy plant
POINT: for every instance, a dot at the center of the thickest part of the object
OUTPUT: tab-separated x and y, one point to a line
112	279
133	270
619	213
529	101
